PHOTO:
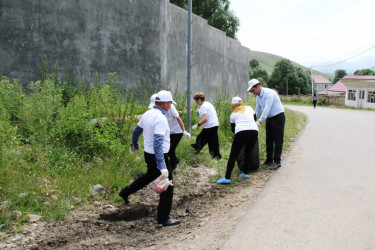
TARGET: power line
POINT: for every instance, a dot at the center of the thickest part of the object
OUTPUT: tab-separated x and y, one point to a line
351	57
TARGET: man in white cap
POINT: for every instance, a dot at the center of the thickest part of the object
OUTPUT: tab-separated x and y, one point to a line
155	129
273	112
177	129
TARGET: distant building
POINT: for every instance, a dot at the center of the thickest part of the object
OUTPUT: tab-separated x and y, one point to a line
360	91
336	89
321	84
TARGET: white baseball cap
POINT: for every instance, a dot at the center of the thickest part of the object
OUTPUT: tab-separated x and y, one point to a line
164	96
152	101
251	83
236	100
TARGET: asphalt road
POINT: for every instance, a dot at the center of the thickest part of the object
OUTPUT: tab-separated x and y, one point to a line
323	196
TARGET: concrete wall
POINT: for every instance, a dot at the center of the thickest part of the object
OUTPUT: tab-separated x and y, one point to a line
142	41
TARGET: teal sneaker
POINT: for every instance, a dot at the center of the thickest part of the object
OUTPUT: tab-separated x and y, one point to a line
223	181
246	176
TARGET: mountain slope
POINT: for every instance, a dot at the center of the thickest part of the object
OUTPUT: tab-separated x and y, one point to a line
268	61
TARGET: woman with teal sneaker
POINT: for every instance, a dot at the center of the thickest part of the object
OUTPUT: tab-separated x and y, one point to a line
246	134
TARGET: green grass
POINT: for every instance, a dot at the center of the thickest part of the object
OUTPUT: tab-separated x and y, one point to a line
51	152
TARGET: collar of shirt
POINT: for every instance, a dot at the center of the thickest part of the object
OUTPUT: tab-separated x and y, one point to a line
261	92
162	110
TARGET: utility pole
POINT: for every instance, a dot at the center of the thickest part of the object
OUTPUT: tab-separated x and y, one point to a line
188	108
312	82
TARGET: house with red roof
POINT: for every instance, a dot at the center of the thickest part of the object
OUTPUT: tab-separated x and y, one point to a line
360	91
336	89
321	84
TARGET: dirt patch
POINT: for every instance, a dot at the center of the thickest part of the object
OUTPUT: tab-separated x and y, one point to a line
208	212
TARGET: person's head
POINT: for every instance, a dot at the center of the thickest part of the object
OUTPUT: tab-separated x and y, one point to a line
236	102
199	98
254	86
152	101
314	94
164	100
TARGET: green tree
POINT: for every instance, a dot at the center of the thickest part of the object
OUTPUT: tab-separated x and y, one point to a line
364	72
340	73
254	63
260	74
288	79
216	12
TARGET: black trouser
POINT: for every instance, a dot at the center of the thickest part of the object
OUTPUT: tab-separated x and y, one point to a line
275	137
165	201
247	138
175	139
314	103
209	136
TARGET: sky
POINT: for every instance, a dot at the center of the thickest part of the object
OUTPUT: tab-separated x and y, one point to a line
309	32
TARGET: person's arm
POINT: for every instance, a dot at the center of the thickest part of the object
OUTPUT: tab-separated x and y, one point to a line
158	149
268	104
233	127
203	120
137	131
180	122
257	110
182	126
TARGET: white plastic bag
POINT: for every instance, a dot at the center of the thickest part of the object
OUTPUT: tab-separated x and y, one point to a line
160	185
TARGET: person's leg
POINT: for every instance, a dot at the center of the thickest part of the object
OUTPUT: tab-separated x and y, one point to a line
144	179
251	138
166	197
279	125
201	141
269	140
213	142
175	139
238	142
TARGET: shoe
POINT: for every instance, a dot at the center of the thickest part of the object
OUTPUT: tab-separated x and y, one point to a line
267	162
171	222
246	176
223	181
275	166
125	197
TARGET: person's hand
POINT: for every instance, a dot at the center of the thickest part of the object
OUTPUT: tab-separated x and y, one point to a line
134	148
164	174
258	123
194	127
186	134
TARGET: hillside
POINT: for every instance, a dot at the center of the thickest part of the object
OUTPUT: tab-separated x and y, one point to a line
268	61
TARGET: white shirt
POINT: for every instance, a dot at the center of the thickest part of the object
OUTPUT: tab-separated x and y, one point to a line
208	108
154	122
172	116
244	120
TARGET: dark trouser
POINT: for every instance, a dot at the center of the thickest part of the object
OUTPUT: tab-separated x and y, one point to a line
275	137
209	136
247	138
175	139
165	201
314	102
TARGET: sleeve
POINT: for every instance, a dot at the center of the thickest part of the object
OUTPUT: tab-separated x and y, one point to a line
257	109
137	131
268	104
158	149
202	111
174	111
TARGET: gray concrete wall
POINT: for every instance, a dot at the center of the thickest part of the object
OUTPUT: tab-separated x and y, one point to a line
142	41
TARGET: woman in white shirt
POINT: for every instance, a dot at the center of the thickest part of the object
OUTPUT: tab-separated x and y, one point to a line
246	134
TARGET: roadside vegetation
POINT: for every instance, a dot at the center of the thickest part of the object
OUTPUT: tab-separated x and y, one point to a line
61	138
